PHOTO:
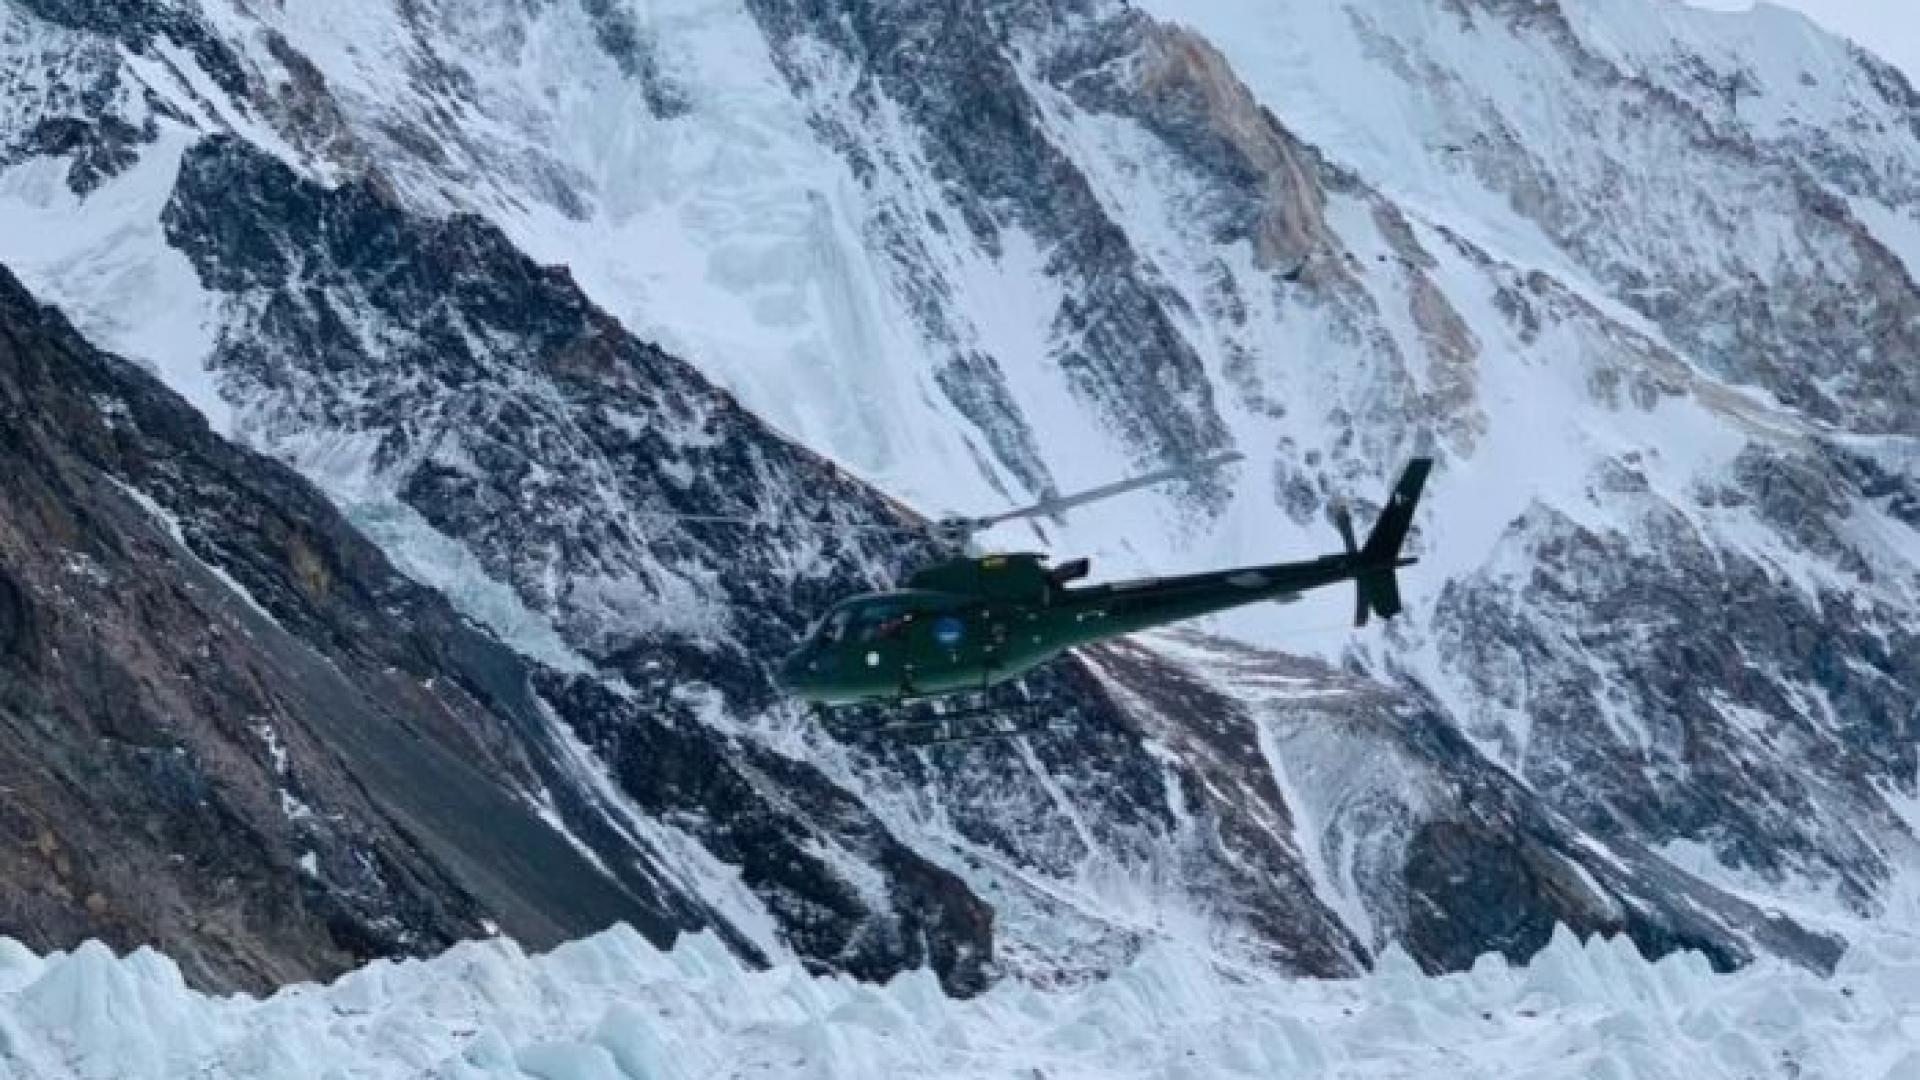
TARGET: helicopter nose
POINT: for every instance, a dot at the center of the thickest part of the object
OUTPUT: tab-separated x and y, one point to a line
792	673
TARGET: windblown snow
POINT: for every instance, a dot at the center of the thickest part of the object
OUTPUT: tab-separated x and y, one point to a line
612	1006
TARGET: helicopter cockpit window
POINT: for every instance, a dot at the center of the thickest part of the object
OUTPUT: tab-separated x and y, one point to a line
879	622
835	627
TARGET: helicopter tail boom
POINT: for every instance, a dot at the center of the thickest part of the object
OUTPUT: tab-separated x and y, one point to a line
1376	585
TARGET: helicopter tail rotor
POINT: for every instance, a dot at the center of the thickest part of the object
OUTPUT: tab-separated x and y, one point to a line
1342	519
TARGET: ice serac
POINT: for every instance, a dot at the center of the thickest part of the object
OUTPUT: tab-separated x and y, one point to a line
612	1005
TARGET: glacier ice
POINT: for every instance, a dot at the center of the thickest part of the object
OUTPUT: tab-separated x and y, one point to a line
613	1007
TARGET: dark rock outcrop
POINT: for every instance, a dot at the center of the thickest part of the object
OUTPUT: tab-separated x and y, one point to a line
232	731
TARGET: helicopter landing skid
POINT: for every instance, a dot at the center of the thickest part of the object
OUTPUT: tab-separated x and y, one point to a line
973	724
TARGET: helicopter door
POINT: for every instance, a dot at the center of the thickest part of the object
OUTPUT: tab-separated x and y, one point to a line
996	638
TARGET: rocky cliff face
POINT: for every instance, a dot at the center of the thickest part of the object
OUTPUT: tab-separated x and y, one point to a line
233	730
1658	666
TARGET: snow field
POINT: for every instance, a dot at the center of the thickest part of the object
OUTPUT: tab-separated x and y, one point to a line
612	1006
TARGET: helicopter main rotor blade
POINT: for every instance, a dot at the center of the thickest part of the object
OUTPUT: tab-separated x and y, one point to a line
723	519
743	519
960	529
1056	504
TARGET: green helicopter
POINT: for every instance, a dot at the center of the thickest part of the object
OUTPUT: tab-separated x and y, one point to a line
976	621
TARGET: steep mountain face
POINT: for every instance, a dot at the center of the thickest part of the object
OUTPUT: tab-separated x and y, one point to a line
1640	278
1746	204
1720	354
353	769
1437	851
527	425
233	730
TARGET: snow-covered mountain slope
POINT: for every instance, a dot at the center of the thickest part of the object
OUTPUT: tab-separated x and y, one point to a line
1733	228
967	251
612	1006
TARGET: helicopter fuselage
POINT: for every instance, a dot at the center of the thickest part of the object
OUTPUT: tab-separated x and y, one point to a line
927	642
968	624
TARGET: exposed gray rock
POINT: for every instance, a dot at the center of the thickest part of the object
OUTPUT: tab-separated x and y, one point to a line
269	786
1768	739
1446	852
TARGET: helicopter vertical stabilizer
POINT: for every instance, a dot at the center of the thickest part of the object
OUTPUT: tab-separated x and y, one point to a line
1377	586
